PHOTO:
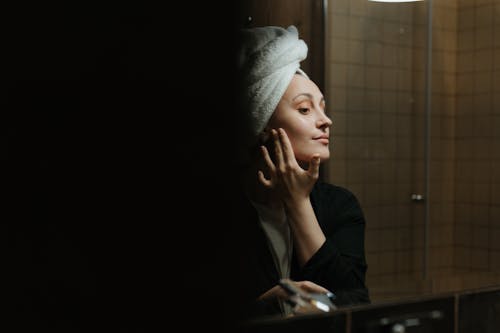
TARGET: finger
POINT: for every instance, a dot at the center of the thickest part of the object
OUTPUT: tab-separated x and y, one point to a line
313	169
275	291
268	160
263	180
312	287
286	145
278	150
270	165
282	293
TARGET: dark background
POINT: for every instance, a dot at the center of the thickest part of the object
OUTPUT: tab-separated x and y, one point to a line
115	149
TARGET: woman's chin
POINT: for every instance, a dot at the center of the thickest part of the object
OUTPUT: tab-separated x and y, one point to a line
323	155
304	162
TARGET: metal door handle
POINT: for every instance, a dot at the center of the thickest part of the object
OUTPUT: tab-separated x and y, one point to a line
417	197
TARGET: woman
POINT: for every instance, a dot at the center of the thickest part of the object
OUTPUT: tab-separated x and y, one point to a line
293	225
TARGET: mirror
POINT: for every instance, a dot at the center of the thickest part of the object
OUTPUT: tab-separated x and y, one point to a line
414	138
412	89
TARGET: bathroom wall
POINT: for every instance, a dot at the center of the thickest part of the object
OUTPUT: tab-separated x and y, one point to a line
375	96
477	141
376	93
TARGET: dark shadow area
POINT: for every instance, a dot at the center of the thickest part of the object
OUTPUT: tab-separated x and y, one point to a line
115	143
314	323
479	311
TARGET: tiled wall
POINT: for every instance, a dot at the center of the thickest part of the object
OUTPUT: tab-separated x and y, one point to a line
376	54
477	178
442	144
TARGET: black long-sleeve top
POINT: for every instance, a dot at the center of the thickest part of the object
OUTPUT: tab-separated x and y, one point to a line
339	265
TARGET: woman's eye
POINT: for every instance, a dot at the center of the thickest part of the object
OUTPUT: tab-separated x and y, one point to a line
303	110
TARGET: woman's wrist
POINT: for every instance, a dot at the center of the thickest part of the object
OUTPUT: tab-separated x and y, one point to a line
297	204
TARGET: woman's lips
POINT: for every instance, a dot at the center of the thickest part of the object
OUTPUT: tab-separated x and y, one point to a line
323	139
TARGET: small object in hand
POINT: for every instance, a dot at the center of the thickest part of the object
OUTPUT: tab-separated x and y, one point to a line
305	302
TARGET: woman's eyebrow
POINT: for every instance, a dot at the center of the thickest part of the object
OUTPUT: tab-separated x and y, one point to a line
303	94
310	96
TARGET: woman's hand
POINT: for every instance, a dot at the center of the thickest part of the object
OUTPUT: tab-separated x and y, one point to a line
287	177
279	292
293	185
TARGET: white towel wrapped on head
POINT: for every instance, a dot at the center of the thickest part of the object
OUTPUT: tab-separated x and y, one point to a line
267	60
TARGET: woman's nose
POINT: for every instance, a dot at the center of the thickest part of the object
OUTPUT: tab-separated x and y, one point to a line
324	120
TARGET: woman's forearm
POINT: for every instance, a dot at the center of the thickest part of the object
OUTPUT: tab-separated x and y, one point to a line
307	234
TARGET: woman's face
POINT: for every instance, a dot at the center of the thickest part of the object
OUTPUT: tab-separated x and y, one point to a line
301	113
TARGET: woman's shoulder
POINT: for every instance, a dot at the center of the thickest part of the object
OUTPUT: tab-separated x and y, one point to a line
337	202
333	196
322	189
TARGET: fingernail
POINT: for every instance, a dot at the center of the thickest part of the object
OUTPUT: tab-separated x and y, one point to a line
330	295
